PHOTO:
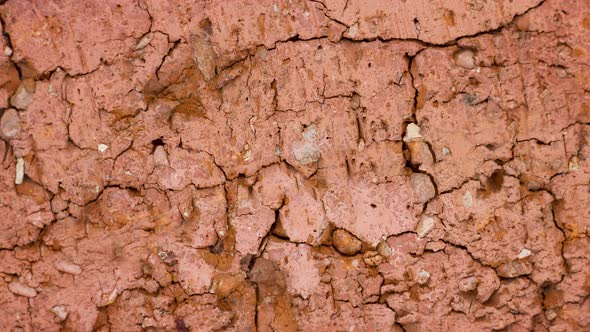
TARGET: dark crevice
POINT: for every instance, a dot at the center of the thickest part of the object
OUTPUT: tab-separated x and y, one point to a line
413	119
158	142
170	50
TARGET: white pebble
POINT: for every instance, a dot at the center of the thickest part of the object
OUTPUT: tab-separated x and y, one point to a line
550	314
412	132
425	225
361	146
160	156
353	30
60	312
22	290
113	296
68	267
467	200
102	148
144	41
422	277
247	155
8	51
524	253
20	171
465	59
108	299
310	133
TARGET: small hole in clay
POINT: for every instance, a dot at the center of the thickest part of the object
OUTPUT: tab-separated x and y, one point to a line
158	142
495	181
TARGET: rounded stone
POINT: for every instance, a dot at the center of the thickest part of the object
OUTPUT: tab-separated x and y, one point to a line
23	96
468	284
346	243
9	124
423	187
465	59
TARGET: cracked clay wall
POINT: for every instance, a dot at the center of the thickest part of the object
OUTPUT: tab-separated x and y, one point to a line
294	165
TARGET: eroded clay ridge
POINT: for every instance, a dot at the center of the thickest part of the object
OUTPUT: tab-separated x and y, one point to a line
295	165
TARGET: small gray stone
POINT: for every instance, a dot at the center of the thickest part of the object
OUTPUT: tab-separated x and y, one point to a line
23	96
10	123
423	187
20	171
465	59
468	284
22	290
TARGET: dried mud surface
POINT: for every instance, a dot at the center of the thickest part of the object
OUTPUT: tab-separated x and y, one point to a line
313	165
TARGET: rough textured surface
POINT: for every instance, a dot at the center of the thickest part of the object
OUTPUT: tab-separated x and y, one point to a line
311	165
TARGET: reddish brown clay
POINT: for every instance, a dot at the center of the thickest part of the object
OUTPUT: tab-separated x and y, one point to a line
302	165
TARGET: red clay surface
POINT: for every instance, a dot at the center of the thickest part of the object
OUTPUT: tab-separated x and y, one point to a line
311	165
